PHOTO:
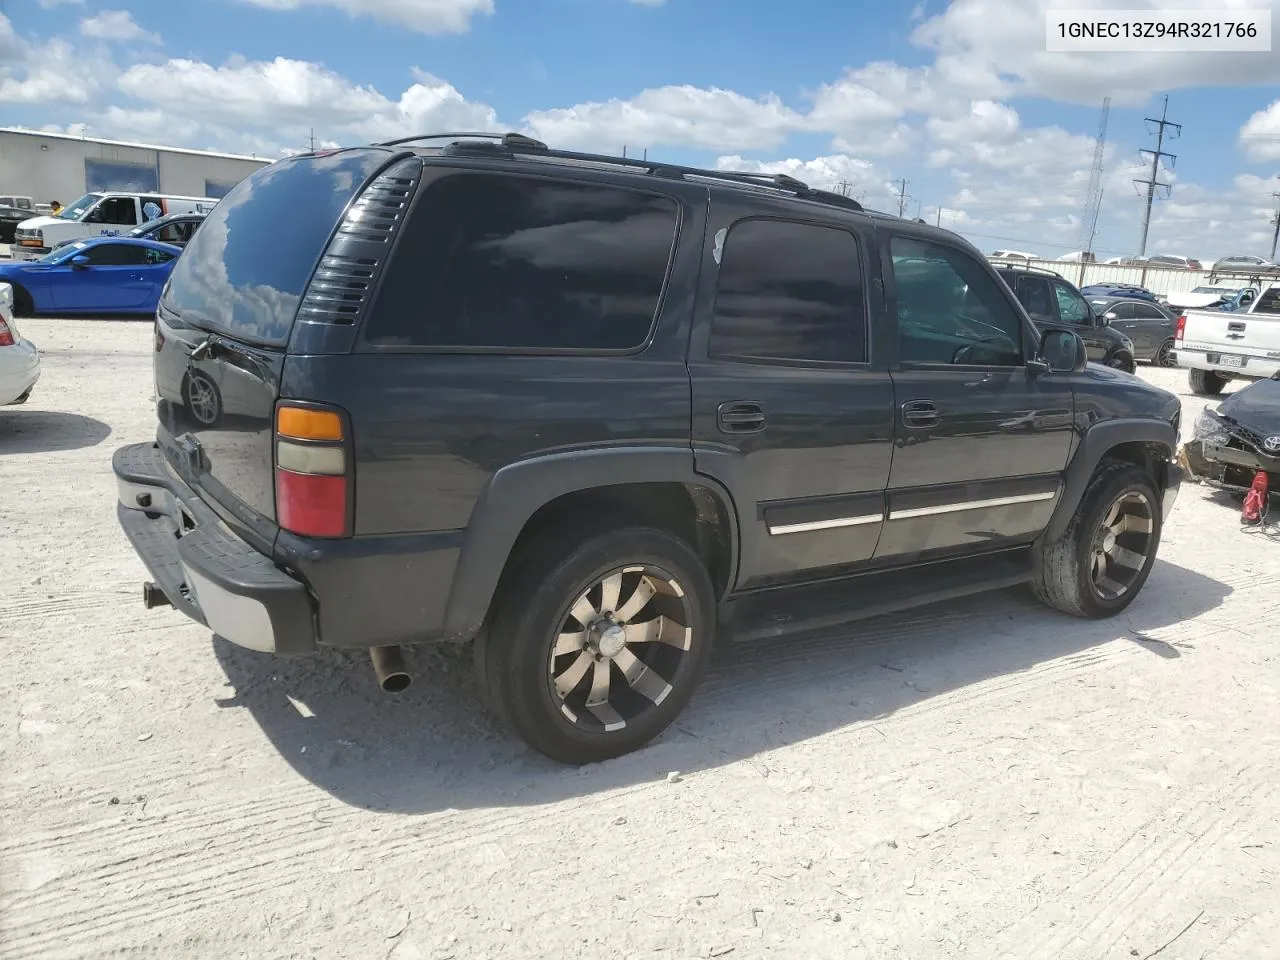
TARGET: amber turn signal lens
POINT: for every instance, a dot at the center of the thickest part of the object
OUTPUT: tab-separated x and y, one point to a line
304	424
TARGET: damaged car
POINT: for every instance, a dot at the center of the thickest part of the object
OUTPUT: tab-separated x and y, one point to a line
1237	445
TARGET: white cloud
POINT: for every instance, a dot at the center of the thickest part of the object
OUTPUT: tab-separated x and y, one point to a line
281	100
115	25
46	72
50	4
424	16
852	176
1260	136
996	48
672	116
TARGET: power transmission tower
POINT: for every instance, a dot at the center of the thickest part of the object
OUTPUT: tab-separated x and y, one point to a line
902	195
1093	195
313	139
843	187
1275	236
1152	183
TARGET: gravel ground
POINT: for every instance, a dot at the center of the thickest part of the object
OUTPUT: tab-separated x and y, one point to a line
983	780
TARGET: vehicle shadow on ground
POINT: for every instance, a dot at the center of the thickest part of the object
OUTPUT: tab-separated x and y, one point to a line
47	431
434	747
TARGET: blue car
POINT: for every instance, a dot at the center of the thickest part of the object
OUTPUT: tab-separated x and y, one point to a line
1113	291
99	275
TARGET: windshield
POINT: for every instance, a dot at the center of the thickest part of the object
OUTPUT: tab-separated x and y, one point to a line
62	252
78	209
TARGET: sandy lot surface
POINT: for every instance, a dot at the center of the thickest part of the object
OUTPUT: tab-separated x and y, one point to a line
984	780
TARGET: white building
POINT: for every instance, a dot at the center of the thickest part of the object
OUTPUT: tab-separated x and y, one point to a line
58	166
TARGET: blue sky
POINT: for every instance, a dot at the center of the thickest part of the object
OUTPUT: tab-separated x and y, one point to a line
959	97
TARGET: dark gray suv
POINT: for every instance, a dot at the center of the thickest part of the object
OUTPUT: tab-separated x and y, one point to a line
592	414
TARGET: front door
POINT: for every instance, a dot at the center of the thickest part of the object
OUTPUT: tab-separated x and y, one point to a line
792	406
114	277
980	440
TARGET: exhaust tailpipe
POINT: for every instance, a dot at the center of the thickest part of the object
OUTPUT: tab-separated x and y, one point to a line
389	668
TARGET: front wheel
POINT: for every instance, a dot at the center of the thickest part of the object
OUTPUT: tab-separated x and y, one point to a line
596	646
1122	362
1101	561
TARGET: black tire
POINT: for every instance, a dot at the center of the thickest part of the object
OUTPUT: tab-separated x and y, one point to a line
1122	361
1065	568
23	306
1164	355
1205	383
516	668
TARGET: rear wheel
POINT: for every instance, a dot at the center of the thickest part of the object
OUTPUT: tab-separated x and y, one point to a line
1205	383
1101	561
1165	355
596	646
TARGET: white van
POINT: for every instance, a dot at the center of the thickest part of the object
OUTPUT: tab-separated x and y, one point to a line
98	214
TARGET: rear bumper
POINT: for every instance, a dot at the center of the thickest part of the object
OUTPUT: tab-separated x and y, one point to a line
19	370
204	569
1255	368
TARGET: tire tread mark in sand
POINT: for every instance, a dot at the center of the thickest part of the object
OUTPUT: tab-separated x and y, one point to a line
209	866
1111	888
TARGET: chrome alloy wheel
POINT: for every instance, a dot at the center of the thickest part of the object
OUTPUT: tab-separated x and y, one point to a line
202	398
620	646
1165	355
1121	545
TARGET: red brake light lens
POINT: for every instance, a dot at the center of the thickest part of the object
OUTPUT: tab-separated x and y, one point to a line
311	464
1181	327
6	335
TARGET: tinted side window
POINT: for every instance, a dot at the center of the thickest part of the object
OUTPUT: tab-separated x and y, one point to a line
1126	311
950	309
490	261
1269	302
116	255
1035	296
158	256
1072	307
789	291
245	269
122	211
1142	311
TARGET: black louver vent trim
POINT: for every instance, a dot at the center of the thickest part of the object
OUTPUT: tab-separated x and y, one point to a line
339	290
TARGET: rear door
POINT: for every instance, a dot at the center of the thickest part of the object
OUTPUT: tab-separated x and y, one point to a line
1151	328
224	324
792	408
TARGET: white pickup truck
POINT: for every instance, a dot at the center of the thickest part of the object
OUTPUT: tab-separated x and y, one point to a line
1220	346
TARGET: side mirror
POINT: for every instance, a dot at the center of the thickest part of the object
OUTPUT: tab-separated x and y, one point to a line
80	262
1107	318
1062	351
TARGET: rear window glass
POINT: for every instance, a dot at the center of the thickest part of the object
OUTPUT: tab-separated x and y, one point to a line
490	261
1269	302
245	269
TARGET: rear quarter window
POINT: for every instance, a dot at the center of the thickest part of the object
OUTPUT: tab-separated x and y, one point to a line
492	262
245	270
1269	302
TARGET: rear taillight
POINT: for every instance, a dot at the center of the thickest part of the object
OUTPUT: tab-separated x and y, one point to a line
1181	328
6	335
312	477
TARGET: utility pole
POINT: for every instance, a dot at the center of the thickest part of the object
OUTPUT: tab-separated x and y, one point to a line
902	195
1152	183
313	139
939	216
842	188
1275	236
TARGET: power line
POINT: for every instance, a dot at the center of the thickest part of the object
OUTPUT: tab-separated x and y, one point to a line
1152	183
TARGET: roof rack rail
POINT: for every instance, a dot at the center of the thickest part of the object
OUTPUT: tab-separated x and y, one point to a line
506	139
516	144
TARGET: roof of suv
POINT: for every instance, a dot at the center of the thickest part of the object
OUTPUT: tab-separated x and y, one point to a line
1025	268
519	146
